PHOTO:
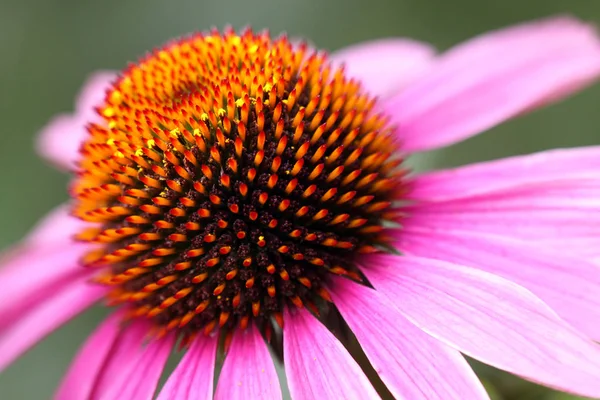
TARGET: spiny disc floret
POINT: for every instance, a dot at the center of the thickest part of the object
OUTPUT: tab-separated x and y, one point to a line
231	176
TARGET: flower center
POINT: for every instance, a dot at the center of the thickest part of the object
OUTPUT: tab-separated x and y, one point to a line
232	175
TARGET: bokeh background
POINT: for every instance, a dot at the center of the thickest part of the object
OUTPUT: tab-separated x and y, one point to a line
48	47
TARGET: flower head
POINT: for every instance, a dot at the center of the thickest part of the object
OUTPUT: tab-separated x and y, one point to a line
231	175
233	190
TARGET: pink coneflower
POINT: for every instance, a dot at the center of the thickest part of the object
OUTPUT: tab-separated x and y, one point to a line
239	194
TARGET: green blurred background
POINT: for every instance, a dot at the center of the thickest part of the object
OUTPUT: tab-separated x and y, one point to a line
48	47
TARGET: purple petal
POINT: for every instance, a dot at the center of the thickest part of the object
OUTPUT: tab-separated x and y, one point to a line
385	66
490	319
317	365
248	371
193	377
492	78
412	364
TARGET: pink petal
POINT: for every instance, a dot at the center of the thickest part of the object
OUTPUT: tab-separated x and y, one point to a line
193	377
385	66
85	369
570	286
490	319
248	371
33	274
521	172
317	365
134	367
412	364
124	356
39	320
142	381
93	92
58	226
494	77
531	215
61	138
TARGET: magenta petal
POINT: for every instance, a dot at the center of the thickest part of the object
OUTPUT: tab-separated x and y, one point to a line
193	377
60	140
570	286
85	369
489	318
134	367
412	364
317	365
492	78
513	173
248	371
38	321
386	66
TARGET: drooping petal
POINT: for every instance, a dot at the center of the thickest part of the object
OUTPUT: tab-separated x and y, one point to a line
94	91
193	377
317	365
135	364
248	371
142	381
123	357
489	318
85	369
523	223
61	138
33	274
513	173
569	285
492	78
546	215
412	364
563	214
43	317
58	226
386	66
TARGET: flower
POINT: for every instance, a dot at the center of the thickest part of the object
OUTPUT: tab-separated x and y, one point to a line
234	188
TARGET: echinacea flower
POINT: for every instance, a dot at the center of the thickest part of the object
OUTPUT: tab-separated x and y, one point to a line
241	194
